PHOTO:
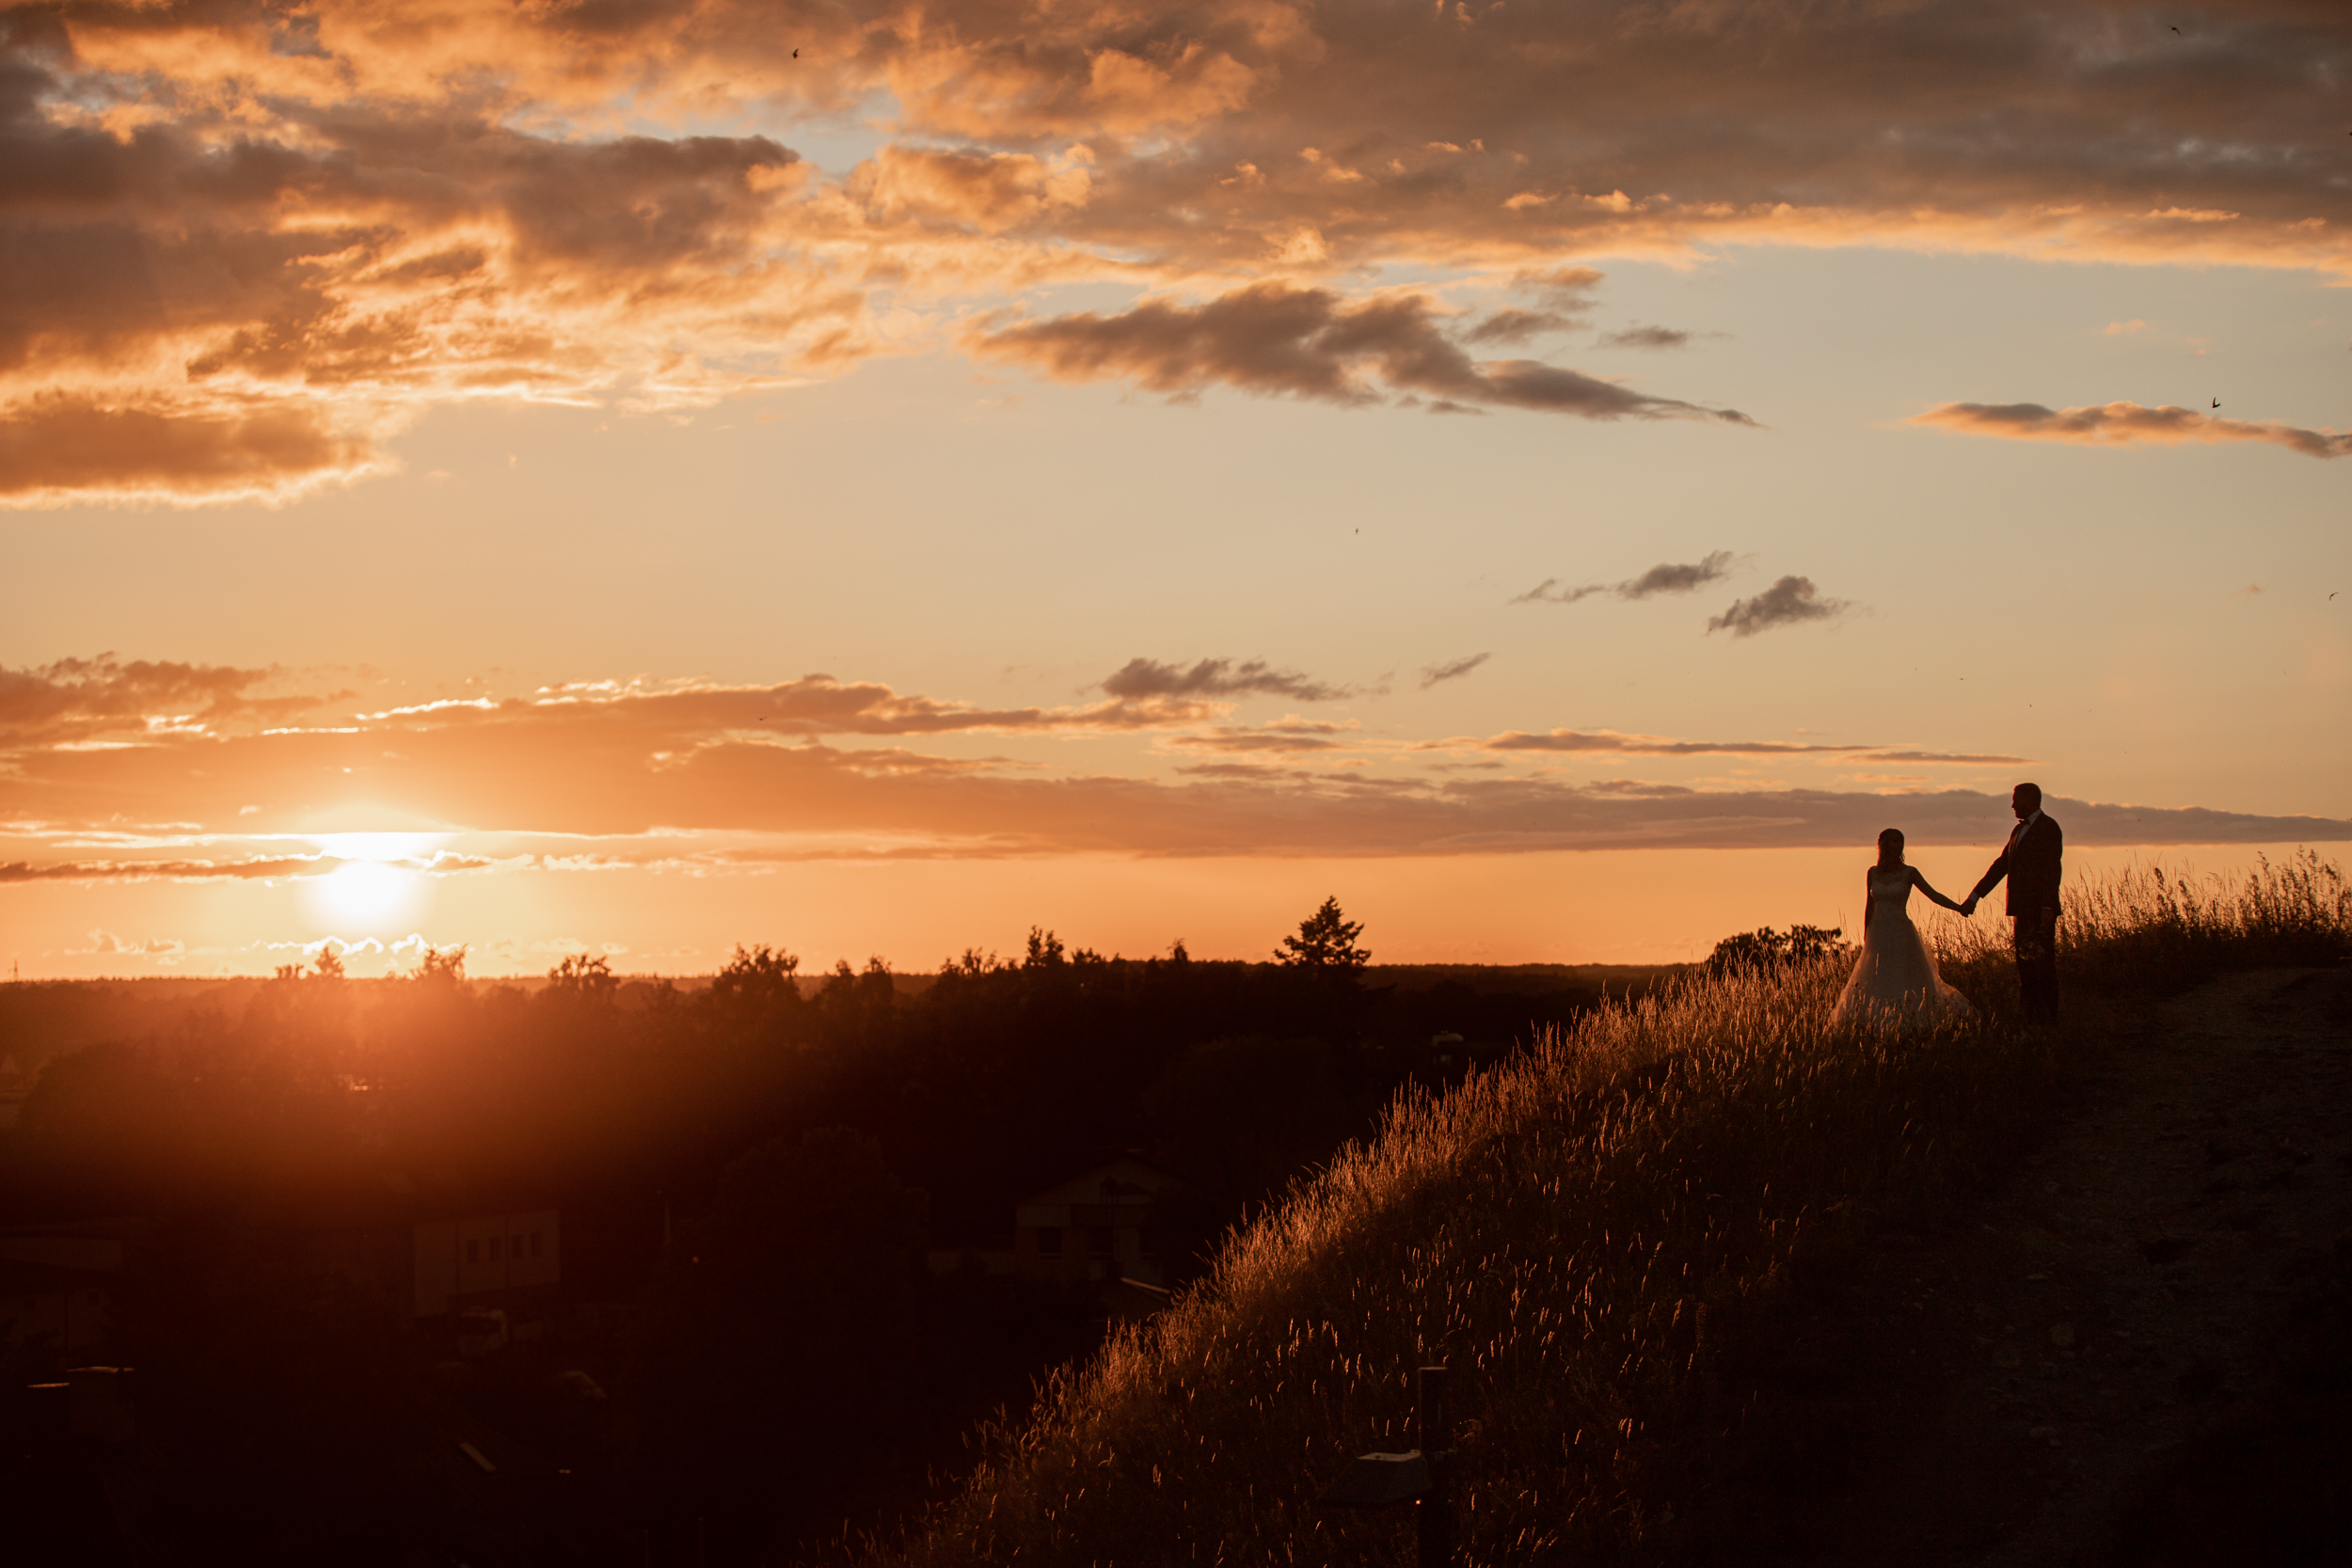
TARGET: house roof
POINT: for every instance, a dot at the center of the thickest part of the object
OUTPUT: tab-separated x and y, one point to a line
1126	1180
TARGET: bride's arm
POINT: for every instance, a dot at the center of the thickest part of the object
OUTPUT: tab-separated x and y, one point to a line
1921	883
1867	897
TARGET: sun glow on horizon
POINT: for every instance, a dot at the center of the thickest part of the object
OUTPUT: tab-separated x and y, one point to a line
366	894
376	888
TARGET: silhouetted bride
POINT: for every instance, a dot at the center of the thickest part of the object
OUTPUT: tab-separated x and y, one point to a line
1895	980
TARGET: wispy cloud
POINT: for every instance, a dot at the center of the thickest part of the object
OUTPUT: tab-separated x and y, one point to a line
75	699
2122	424
1281	340
1665	578
1650	336
258	868
1518	326
1786	603
104	943
1147	679
1611	742
1450	670
1284	734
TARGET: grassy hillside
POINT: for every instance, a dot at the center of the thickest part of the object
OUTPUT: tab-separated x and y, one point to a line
1581	1234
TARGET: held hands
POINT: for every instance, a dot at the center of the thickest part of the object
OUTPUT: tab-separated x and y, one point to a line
1968	906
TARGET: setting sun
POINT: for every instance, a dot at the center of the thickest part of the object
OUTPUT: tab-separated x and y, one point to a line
383	885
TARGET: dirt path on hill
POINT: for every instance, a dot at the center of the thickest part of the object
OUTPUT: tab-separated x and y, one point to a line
2136	1351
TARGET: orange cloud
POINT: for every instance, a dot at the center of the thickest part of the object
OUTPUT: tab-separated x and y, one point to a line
57	449
697	777
2123	424
75	699
246	244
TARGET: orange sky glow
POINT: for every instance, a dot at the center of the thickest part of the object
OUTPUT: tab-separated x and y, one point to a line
873	478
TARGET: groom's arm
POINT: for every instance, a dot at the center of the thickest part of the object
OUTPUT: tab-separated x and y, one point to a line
1992	876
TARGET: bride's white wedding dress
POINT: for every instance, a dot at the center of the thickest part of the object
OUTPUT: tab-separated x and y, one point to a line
1895	981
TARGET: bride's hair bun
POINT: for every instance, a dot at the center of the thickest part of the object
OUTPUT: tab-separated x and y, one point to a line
1891	846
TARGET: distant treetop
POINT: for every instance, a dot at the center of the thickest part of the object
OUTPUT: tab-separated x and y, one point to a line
1326	943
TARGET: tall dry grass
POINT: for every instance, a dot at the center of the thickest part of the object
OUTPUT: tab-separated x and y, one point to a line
2154	930
1579	1234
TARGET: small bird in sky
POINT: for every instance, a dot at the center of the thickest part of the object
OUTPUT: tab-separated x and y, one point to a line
2216	403
796	54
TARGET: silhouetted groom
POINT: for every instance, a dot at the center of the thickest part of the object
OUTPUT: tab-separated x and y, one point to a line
2030	863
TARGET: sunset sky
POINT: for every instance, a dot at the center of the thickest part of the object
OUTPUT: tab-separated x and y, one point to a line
873	477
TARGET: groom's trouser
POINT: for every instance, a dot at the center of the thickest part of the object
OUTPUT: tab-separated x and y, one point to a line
2036	965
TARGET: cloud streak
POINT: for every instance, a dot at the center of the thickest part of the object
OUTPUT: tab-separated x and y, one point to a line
1450	670
2125	424
1283	735
1151	680
1665	578
1310	343
1610	742
258	868
1647	337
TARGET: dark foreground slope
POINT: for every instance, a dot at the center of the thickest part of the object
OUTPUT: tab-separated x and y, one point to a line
2135	1349
1606	1240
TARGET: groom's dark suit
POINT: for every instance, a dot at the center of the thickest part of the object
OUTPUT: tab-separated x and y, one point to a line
2031	862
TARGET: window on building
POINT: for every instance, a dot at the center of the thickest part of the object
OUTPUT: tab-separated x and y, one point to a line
473	1252
1049	1241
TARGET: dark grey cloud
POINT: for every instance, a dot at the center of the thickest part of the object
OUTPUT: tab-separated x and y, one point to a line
1279	341
1647	337
247	294
1143	678
1452	670
1786	603
1665	578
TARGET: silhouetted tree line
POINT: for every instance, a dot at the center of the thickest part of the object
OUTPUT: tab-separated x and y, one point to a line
793	1358
1765	948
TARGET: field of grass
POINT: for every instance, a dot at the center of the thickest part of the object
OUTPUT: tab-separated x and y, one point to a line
1581	1234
